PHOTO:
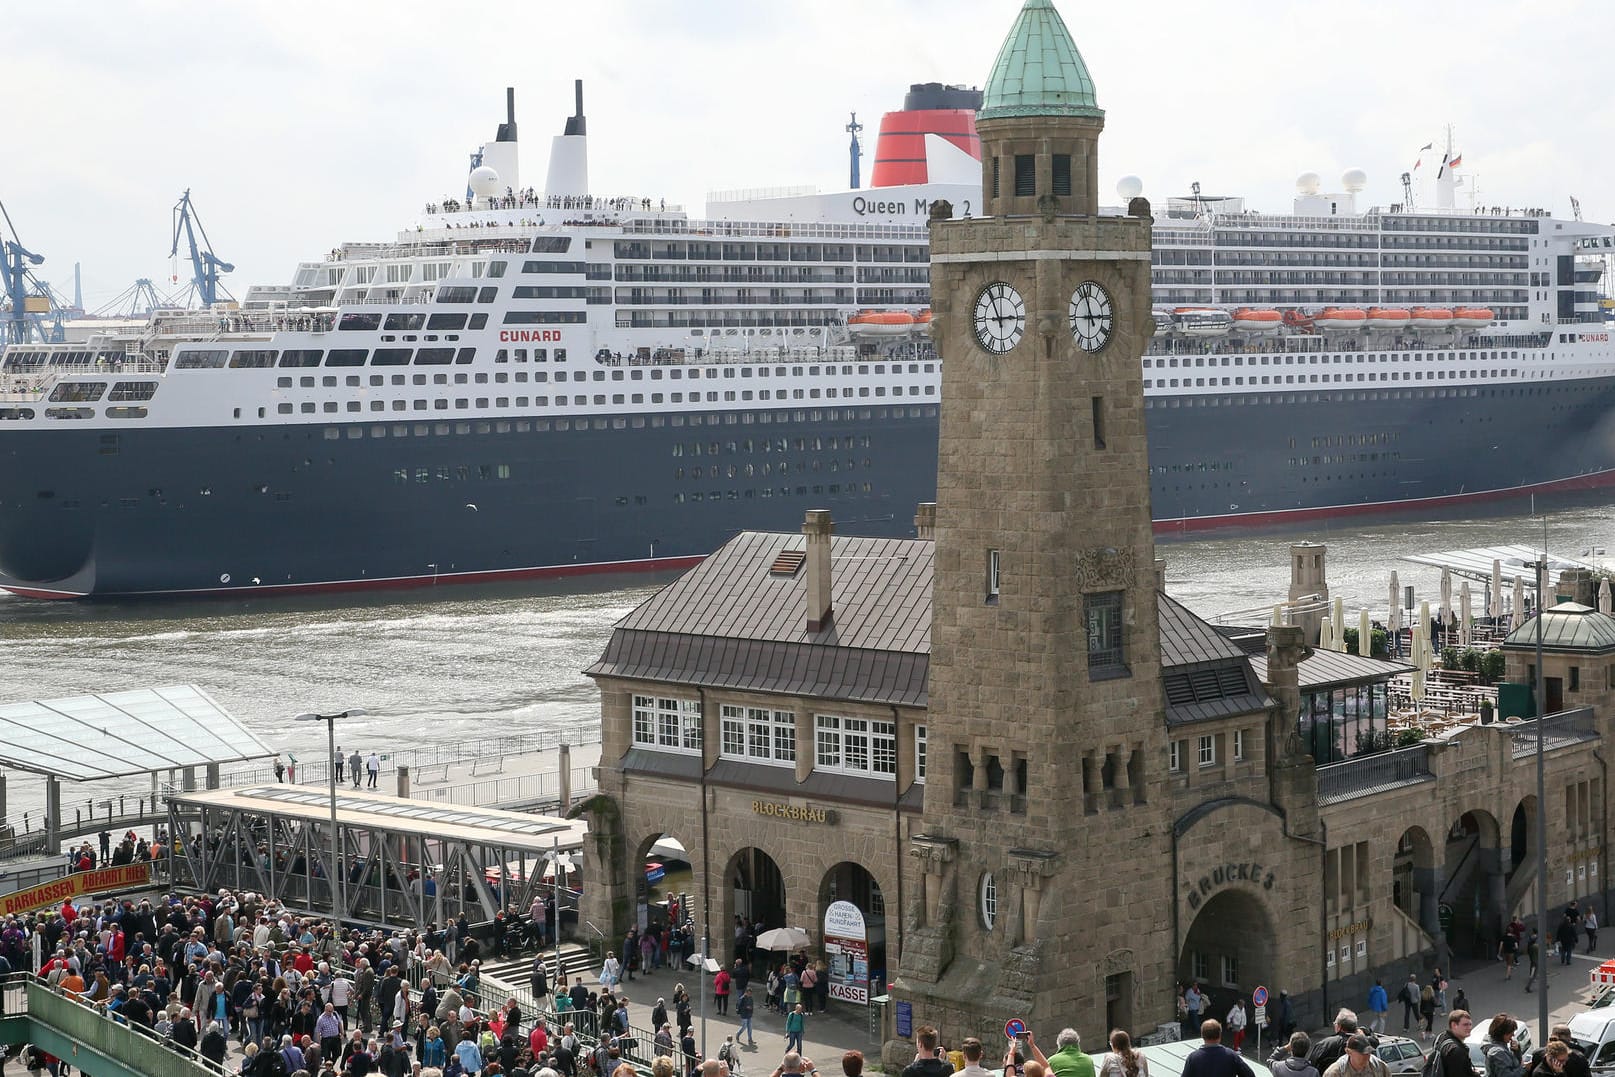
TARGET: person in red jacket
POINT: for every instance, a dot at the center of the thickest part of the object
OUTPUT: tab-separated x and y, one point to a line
720	990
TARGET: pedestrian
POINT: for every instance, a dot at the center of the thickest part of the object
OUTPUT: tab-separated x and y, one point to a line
1290	1060
1508	952
1212	1059
1565	935
1359	1060
1122	1061
1533	954
795	1025
1409	997
1427	1009
1236	1024
354	763
372	766
1589	924
743	1010
1501	1052
720	991
280	770
336	762
291	768
810	983
1439	982
1379	1004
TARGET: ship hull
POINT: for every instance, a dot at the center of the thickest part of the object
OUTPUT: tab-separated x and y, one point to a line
275	510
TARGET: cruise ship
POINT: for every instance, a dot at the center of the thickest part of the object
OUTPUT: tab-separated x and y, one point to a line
539	381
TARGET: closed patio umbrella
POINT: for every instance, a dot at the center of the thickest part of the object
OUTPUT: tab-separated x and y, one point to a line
1365	634
1604	599
1517	615
1466	624
1446	602
1338	614
1494	609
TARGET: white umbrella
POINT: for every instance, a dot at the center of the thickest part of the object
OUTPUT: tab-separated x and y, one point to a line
1418	647
1393	619
1337	640
1466	622
1517	615
1446	601
1365	634
707	965
1278	614
1604	598
1326	631
1494	608
784	938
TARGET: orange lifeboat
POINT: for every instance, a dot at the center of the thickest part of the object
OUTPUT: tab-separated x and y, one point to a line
1472	317
880	323
1294	319
1341	319
1389	318
923	317
1431	318
1257	320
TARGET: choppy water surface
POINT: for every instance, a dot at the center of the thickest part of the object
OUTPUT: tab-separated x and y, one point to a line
438	665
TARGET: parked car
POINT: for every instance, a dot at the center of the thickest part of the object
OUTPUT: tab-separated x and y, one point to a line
1594	1033
1477	1042
1400	1054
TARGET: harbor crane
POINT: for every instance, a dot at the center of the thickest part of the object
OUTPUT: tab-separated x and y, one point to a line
31	312
205	265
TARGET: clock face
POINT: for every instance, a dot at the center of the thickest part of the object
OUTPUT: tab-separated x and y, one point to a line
1092	316
1000	317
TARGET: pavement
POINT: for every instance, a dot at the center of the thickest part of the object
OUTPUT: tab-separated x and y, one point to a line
1490	994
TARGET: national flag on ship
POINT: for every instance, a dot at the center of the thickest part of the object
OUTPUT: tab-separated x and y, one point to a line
1420	160
1457	160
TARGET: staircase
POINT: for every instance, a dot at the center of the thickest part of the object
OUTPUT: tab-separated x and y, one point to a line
1461	875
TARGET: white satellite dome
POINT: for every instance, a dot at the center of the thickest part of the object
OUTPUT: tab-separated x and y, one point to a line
484	181
1308	182
1129	188
1354	180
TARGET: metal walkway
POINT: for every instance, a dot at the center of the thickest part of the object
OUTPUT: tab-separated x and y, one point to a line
84	1037
404	861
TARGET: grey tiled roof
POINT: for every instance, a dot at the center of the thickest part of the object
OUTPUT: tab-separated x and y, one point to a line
1324	669
880	591
1187	640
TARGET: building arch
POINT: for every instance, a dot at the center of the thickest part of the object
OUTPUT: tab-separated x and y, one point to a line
852	882
754	888
1522	833
1413	871
1473	893
675	888
1229	948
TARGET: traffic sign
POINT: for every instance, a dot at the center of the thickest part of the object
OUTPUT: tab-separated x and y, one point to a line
1259	996
1261	1016
1014	1027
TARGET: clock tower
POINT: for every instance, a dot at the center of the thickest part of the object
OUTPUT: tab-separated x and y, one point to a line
1044	845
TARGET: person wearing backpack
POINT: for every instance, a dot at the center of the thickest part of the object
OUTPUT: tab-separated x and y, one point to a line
1450	1057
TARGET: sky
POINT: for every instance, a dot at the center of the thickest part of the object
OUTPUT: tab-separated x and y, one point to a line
298	125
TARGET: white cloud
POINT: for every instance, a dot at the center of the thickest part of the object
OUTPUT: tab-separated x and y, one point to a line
299	125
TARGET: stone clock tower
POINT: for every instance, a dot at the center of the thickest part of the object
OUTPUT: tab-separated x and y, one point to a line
1045	840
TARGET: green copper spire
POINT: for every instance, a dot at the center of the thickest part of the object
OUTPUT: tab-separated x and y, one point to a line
1039	71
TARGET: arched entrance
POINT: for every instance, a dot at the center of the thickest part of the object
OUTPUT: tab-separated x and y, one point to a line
1229	949
857	966
664	883
1522	834
1412	873
757	887
1472	896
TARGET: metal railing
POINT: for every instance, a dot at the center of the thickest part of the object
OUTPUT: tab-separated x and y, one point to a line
508	792
91	1025
1559	730
1373	774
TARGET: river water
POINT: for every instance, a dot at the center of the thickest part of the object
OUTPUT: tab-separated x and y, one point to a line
433	666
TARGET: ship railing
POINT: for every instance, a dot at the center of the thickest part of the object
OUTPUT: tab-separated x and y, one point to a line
774	230
554	203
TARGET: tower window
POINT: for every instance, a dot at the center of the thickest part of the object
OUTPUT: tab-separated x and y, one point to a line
1062	173
1099	422
996	163
992	577
1103	614
1025	175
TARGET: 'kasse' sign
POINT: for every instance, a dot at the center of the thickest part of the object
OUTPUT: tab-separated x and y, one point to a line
75	885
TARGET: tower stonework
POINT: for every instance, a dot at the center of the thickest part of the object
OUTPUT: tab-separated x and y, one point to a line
1045	840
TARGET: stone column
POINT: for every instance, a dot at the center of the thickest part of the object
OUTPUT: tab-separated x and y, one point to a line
212	776
402	775
1030	867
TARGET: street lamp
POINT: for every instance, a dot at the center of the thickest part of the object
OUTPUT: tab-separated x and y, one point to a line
338	881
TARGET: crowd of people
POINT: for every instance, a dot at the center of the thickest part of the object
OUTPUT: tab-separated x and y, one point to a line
299	996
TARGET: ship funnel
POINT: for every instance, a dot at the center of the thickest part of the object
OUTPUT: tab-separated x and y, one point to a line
569	155
507	130
500	155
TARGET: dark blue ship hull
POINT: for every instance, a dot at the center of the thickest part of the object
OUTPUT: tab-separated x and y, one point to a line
268	509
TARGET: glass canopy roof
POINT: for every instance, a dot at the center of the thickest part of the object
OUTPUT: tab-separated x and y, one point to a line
83	738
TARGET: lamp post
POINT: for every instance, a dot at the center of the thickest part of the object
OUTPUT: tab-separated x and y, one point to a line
1541	566
338	881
